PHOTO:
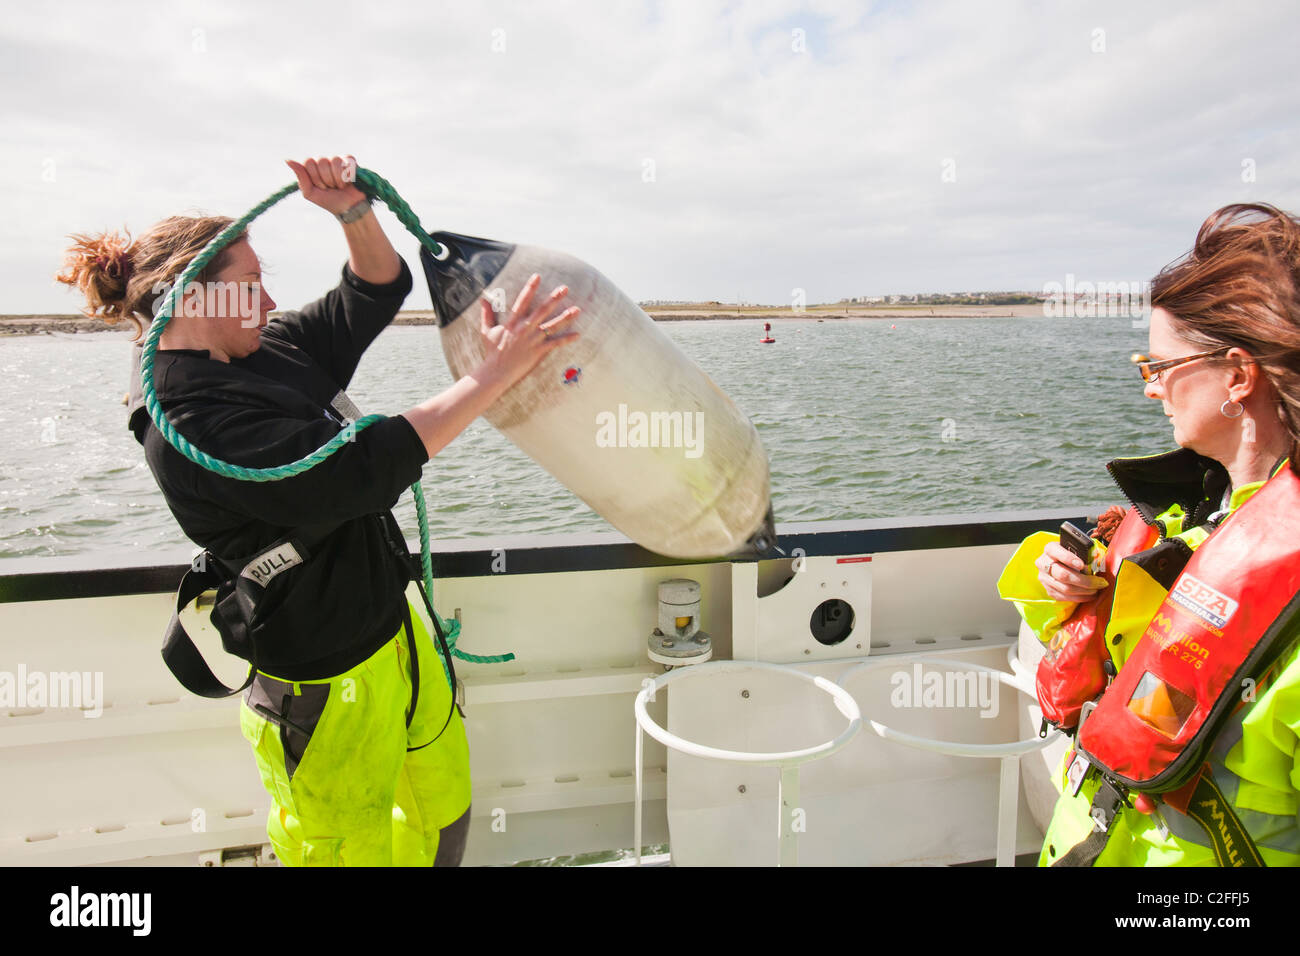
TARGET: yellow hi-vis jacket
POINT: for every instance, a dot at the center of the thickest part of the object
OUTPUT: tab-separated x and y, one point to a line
1255	760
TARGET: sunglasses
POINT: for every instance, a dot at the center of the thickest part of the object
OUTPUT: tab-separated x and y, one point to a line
1150	371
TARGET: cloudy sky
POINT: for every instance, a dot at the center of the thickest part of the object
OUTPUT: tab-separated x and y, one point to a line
695	149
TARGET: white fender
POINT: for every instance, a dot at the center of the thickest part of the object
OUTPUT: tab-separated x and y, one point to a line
620	415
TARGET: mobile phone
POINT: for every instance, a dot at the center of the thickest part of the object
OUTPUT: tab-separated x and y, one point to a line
1077	543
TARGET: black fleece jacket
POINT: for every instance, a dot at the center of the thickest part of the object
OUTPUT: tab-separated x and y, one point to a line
329	614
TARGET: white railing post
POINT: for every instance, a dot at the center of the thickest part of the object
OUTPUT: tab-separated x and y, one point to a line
788	799
1008	804
639	783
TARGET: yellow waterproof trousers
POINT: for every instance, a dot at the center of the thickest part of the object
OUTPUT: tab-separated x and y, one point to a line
350	783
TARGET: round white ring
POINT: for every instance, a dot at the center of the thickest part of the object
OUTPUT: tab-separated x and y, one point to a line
952	748
842	699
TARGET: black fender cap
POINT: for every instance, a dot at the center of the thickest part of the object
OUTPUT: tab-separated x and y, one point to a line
464	273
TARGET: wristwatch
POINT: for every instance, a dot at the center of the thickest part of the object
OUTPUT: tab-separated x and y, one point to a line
354	213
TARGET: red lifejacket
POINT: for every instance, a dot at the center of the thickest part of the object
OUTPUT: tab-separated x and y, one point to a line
1214	637
1073	670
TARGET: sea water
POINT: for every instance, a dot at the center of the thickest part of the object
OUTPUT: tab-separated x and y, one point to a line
860	419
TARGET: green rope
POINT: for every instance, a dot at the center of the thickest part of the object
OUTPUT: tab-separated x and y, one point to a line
452	628
374	186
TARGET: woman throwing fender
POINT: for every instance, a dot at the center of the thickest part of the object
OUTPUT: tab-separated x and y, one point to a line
364	766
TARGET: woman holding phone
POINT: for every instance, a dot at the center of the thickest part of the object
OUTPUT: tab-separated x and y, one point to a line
1224	363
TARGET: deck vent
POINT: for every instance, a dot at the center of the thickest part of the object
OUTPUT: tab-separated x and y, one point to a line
832	622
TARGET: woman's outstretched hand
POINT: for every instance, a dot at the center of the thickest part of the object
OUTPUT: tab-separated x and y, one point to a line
329	183
514	347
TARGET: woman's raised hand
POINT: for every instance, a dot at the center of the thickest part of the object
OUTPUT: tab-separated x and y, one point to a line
514	347
329	183
1063	576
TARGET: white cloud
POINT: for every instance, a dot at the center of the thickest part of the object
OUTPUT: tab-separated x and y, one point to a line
774	168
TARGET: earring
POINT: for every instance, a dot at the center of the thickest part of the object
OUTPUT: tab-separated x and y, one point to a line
1223	409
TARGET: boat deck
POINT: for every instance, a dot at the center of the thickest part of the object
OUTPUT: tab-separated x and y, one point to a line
149	775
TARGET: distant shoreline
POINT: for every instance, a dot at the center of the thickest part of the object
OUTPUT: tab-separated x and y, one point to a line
67	324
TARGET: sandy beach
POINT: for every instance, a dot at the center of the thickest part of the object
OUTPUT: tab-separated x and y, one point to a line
65	324
46	324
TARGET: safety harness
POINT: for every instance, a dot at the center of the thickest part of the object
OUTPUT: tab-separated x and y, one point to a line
1224	622
242	584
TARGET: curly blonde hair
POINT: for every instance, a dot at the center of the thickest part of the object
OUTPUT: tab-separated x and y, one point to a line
124	279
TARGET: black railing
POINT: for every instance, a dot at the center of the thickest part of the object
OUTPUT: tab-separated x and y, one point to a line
53	579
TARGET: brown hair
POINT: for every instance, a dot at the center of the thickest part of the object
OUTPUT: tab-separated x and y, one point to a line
1240	286
124	279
